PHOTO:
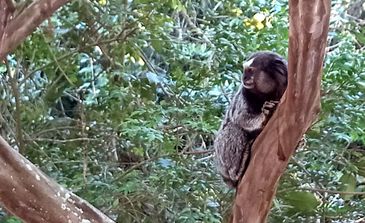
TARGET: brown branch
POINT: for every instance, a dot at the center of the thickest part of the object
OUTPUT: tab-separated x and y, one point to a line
18	106
84	145
63	140
198	152
59	67
26	192
61	128
152	159
195	28
18	28
6	8
118	38
332	191
309	21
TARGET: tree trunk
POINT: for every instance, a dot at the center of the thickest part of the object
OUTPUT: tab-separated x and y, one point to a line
26	192
309	21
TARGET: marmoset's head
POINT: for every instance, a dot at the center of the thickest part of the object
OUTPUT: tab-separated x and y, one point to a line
265	75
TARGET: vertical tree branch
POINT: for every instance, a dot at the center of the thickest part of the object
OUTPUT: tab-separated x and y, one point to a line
6	8
18	107
83	135
309	21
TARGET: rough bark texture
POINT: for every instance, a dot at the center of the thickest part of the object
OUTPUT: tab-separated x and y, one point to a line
6	8
27	193
309	21
15	28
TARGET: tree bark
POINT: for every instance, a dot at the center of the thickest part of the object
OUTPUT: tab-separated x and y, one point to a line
308	29
26	192
6	8
14	28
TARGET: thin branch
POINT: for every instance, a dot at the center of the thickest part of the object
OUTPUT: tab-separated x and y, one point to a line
18	106
57	63
84	143
62	140
195	28
359	21
332	191
138	165
209	151
159	84
118	38
307	172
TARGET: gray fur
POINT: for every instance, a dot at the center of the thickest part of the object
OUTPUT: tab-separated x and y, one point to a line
242	123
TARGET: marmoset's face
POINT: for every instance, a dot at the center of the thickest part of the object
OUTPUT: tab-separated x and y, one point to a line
265	73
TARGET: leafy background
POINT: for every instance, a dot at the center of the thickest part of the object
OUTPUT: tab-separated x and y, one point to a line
120	100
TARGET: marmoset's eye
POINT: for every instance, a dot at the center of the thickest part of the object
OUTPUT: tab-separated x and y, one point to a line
249	70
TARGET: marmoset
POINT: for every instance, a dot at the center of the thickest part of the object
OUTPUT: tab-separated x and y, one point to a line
263	83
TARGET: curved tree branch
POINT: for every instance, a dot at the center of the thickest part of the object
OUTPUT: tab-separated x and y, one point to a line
17	28
27	193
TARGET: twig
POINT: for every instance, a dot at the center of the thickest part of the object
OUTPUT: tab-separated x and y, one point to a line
56	62
359	21
198	152
307	172
198	31
79	49
332	191
136	166
152	69
62	140
84	143
16	93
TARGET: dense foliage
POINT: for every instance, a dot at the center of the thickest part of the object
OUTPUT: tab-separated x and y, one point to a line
119	101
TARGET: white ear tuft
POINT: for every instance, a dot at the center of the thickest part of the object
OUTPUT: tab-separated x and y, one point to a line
248	63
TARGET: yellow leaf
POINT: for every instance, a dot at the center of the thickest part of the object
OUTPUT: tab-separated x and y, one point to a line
237	11
102	2
259	25
140	61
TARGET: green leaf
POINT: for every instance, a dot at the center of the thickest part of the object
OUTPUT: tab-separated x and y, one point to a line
361	166
348	184
302	202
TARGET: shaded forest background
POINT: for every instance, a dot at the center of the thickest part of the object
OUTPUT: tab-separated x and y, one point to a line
119	101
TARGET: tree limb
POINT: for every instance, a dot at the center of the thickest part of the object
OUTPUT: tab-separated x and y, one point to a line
27	193
309	21
18	28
